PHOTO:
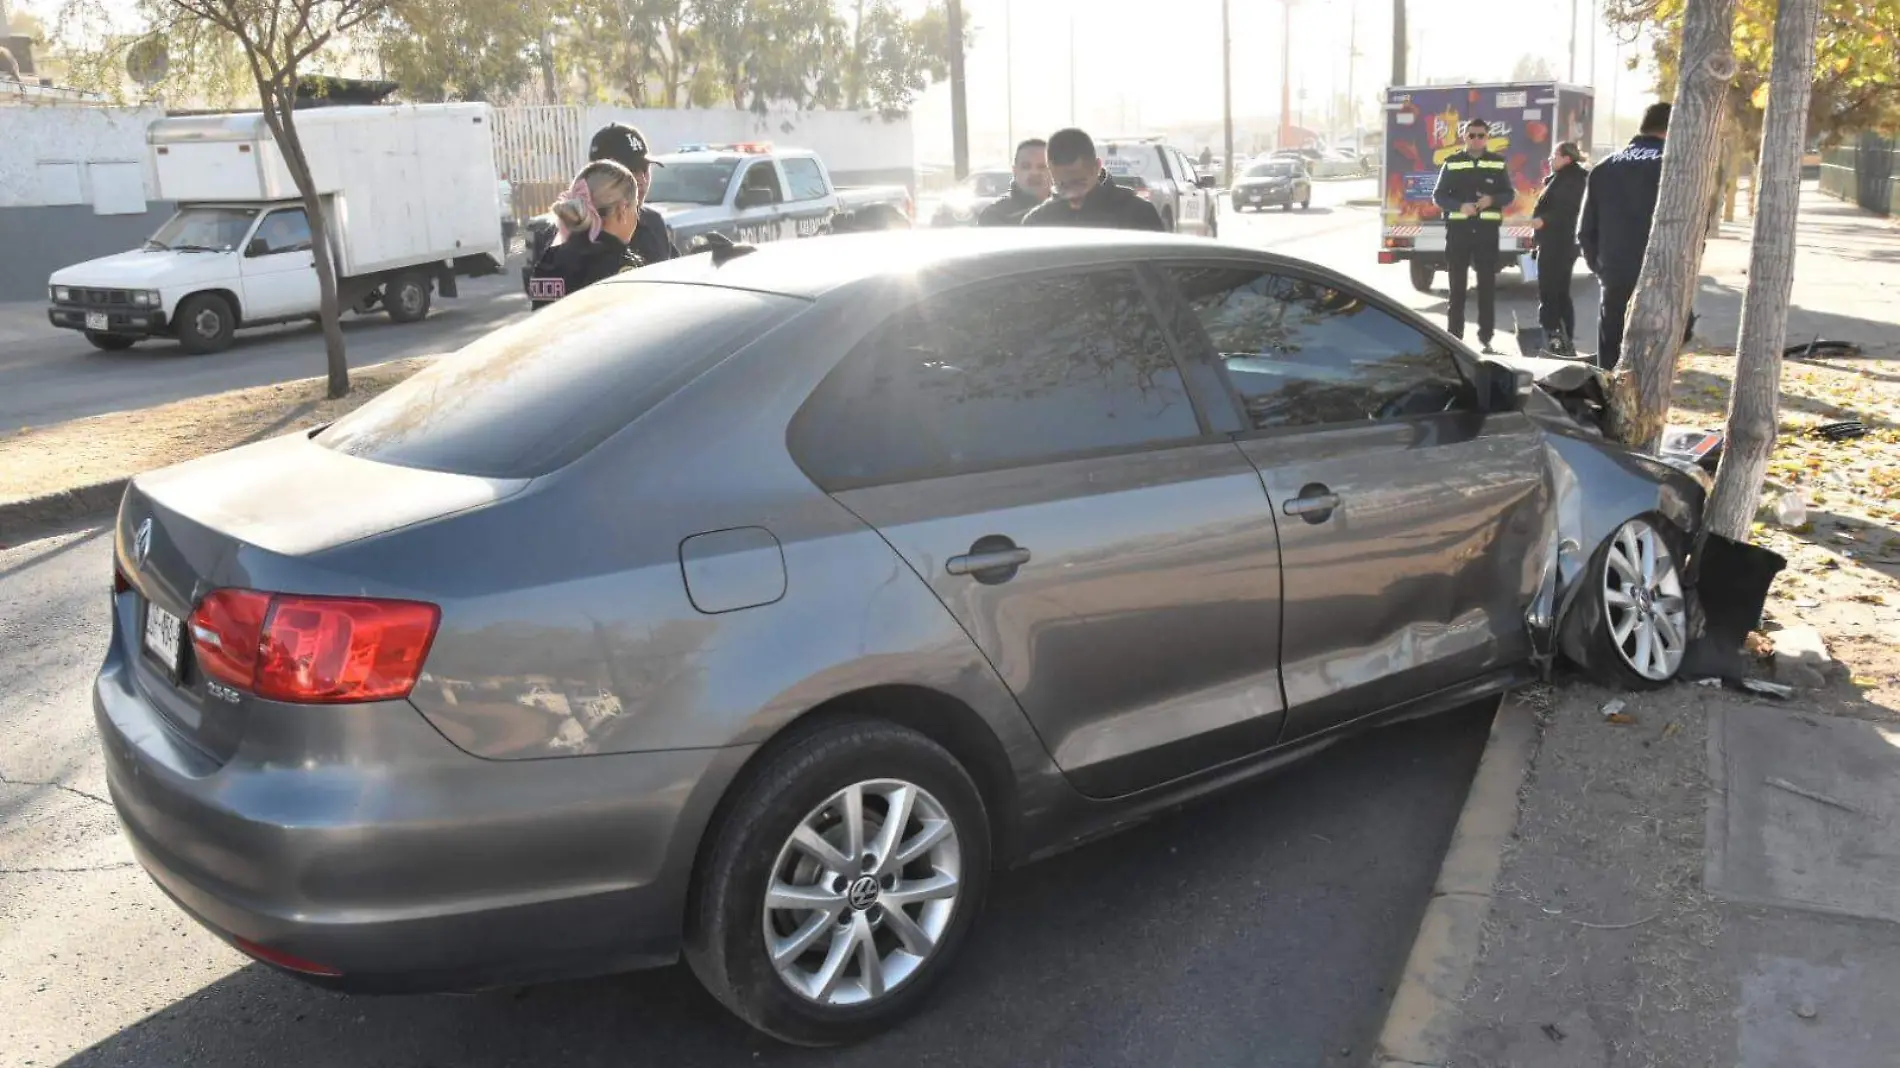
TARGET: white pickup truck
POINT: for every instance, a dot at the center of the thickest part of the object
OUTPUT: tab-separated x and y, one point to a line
752	193
409	193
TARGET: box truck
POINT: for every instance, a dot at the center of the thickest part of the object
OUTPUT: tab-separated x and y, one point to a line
408	197
1528	120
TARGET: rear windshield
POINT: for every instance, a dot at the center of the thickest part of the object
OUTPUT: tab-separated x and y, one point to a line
534	396
1279	169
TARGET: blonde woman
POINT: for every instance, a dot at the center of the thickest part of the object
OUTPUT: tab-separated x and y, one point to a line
597	217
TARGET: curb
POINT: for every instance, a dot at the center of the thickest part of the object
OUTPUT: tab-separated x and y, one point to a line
1364	202
1422	1023
19	519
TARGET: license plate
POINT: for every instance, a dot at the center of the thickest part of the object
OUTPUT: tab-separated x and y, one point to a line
98	321
164	634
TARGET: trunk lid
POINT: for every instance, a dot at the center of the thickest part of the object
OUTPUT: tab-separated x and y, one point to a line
182	530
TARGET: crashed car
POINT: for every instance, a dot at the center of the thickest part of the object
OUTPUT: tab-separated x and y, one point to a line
903	556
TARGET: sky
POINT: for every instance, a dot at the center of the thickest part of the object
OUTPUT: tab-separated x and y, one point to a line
1143	64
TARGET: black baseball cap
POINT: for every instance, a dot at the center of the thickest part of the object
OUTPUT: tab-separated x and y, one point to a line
623	144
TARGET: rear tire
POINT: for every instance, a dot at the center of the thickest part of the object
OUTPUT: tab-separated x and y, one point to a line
1167	222
407	298
1423	274
206	323
110	342
802	795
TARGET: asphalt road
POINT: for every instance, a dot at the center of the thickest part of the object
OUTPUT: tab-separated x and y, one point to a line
1263	927
49	375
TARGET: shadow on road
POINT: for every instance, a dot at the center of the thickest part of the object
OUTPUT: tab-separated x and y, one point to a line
1266	925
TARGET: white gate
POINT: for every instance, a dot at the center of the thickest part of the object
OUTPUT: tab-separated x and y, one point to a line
539	150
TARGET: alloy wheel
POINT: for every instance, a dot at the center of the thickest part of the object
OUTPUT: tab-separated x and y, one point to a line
1642	596
862	892
208	324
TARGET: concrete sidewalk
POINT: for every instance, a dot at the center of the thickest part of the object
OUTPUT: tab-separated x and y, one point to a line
23	321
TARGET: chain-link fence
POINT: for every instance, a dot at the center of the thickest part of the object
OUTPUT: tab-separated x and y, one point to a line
1865	171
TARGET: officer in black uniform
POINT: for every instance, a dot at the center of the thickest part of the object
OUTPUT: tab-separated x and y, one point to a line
1029	186
1617	209
627	146
1085	195
596	221
1474	188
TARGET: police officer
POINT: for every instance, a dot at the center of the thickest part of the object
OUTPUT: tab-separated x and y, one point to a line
1555	223
1085	195
1614	233
627	146
1029	186
1473	189
596	220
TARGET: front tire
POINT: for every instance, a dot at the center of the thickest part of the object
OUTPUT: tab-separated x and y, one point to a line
818	920
110	342
206	324
1642	618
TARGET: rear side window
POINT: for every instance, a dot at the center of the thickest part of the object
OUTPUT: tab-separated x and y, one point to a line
536	395
1008	375
806	180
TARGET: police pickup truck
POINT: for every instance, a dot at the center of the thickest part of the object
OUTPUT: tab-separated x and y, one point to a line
1163	175
750	193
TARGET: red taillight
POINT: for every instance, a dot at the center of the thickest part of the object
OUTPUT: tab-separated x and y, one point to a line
1388	257
226	633
313	650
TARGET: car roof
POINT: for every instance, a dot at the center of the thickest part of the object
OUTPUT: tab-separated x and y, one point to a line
812	268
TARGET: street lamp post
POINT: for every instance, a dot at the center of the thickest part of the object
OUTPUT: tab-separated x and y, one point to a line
1227	91
959	112
1009	75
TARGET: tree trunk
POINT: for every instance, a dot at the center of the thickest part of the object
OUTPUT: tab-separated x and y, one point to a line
1754	402
1665	290
279	109
547	68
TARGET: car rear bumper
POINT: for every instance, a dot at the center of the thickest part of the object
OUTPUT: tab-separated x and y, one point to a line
410	866
121	322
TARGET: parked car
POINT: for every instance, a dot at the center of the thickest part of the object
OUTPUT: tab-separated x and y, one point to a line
1281	181
753	192
962	205
1019	538
1164	176
1339	163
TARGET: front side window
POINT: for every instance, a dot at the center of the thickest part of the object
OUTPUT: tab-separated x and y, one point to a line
763	177
806	179
998	376
282	231
205	229
691	183
1303	353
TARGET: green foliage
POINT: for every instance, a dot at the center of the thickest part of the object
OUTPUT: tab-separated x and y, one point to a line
1857	73
458	49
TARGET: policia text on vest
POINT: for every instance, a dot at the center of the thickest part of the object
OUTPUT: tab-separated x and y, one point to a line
1474	188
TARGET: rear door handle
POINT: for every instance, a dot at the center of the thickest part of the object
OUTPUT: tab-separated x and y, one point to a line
997	560
1325	502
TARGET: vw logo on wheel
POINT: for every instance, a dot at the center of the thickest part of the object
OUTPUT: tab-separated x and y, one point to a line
142	543
863	893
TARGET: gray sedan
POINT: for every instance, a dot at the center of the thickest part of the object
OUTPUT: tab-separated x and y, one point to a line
755	607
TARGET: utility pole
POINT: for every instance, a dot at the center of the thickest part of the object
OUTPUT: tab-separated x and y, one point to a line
1573	42
1072	119
959	113
1596	31
1286	73
1352	66
1227	91
1009	77
1398	42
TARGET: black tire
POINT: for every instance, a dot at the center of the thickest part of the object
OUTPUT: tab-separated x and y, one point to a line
1286	205
110	342
205	323
1606	661
407	298
1307	203
1167	222
725	938
1423	274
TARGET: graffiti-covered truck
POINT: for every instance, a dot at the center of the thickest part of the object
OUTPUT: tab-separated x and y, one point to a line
752	193
1527	120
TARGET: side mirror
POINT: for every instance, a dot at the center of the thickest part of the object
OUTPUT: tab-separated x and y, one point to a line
1206	181
257	247
1503	388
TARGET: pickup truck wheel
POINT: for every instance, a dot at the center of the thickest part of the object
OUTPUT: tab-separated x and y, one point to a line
110	342
407	298
1422	276
205	323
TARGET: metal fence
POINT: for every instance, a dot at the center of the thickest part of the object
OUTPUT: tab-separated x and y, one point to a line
539	150
1866	172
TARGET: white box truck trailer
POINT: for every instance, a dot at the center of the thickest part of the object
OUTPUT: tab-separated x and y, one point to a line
1527	119
408	196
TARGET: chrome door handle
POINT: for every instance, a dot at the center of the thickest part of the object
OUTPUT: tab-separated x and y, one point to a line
1325	502
978	563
